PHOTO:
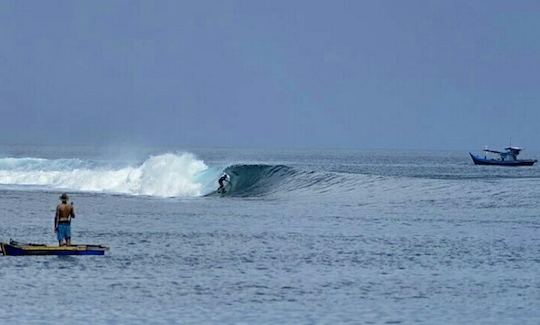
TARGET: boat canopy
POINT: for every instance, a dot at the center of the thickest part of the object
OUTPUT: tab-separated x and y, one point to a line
492	151
513	149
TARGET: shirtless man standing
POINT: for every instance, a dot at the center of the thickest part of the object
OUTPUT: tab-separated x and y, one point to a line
62	220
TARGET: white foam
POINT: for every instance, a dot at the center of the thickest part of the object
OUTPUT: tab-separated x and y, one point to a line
167	175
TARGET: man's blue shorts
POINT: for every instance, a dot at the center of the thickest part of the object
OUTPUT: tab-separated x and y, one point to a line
63	232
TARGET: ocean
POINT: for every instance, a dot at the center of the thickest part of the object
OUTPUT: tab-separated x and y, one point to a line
301	237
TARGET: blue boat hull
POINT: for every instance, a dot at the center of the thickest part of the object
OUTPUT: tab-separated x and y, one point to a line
497	162
24	250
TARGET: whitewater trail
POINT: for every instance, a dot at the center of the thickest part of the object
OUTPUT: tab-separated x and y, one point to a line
167	175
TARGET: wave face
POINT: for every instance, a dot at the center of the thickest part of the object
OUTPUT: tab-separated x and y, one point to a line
257	180
167	175
260	180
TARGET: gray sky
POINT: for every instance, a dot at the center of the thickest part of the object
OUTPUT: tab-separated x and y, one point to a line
355	74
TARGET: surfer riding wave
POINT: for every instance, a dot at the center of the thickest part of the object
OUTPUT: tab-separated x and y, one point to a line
224	178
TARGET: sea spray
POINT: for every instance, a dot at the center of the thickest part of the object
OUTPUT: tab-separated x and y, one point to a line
171	175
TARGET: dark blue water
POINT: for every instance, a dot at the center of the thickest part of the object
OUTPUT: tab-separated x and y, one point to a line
302	237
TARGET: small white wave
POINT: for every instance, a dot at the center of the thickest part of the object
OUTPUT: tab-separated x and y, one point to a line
167	175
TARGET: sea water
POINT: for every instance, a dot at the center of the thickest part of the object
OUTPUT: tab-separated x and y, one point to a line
327	236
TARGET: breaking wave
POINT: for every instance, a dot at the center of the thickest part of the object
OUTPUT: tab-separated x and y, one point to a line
166	175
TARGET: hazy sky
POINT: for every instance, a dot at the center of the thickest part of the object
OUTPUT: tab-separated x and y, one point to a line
356	74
